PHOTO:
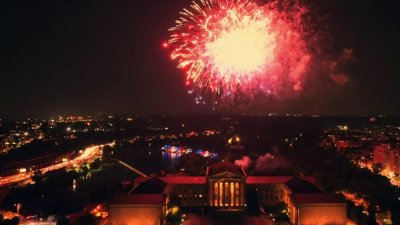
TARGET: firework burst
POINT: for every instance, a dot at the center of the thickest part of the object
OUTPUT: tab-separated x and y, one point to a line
238	46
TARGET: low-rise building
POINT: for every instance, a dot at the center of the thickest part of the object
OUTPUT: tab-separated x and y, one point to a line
223	189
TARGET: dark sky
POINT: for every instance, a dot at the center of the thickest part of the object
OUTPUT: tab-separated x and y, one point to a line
90	56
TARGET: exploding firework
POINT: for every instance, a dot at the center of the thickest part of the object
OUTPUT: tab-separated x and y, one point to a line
238	46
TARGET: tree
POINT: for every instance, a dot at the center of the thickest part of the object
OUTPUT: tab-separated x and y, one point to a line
253	203
13	221
193	164
377	168
63	221
96	164
37	177
87	219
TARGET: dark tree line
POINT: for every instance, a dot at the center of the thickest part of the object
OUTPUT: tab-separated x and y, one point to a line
13	221
335	172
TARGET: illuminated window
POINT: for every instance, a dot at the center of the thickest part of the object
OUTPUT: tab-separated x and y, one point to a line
211	194
215	194
226	196
232	194
237	193
221	193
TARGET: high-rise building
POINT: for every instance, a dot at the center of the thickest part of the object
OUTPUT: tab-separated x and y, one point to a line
388	156
382	155
394	161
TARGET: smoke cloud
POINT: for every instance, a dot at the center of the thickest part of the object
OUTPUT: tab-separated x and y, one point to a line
269	163
244	162
335	67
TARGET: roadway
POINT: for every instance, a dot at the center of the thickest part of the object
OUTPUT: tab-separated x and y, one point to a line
88	155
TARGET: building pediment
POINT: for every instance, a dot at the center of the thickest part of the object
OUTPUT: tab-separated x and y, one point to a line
226	174
225	167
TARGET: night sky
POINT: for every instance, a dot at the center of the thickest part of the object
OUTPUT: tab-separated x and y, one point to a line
102	56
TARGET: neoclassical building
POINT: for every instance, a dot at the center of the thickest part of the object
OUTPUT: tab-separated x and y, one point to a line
224	189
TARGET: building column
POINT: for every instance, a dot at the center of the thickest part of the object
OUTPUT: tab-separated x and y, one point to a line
210	193
237	194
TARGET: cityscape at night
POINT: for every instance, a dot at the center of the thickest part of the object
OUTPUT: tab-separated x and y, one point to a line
204	112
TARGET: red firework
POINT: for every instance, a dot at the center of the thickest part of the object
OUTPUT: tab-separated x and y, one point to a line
231	46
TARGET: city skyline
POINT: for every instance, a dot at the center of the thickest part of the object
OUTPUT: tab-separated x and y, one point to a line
70	57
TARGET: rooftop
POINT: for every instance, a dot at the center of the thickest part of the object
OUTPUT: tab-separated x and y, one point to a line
184	180
318	198
267	179
301	186
152	185
139	199
174	180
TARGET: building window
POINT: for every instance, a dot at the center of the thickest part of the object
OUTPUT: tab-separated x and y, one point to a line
237	193
226	196
221	193
215	194
232	190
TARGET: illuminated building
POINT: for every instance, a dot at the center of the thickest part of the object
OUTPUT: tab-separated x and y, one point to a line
394	161
317	208
145	204
388	157
381	154
224	189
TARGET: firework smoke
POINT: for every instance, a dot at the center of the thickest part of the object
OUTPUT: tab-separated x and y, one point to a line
244	162
268	163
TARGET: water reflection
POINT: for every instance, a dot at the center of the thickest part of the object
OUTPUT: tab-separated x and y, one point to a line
171	154
171	159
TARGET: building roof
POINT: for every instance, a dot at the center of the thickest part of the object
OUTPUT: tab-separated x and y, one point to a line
318	198
175	180
301	186
139	180
138	199
184	180
225	167
267	179
149	191
152	185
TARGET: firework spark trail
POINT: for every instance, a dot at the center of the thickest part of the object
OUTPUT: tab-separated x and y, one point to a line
237	46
